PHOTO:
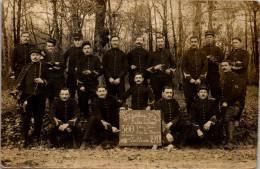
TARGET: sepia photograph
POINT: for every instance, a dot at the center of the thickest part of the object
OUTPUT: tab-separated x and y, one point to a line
130	83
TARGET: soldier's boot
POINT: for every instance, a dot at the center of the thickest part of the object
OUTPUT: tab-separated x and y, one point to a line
230	135
74	142
83	145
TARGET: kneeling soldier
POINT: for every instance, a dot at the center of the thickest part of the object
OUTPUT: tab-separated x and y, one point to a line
64	117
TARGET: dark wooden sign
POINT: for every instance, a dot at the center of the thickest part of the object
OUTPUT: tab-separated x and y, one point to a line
140	128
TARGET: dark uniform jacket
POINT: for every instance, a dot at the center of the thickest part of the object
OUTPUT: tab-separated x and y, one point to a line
140	95
163	57
64	112
71	57
195	64
88	62
139	58
107	109
230	88
21	56
56	70
242	56
34	70
169	110
203	111
115	64
216	57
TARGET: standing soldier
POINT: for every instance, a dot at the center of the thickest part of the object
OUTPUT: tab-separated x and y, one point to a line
194	67
229	100
56	66
21	55
214	56
161	66
115	68
88	70
71	57
240	59
137	60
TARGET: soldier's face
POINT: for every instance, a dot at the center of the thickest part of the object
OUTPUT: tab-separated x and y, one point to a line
50	47
25	38
64	95
236	44
225	67
160	43
114	42
78	42
138	79
35	57
203	94
194	43
139	42
87	50
209	39
101	93
167	94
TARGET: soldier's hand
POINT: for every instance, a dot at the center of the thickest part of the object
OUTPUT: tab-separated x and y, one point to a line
122	108
117	81
168	71
224	104
173	70
169	137
111	80
38	80
209	56
149	69
207	126
198	81
192	80
86	72
168	125
148	108
236	123
200	133
62	127
158	67
105	124
133	67
82	89
115	130
57	63
68	129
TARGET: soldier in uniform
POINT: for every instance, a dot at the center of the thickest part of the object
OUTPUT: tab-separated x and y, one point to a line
137	60
171	118
71	57
140	93
21	55
88	70
56	66
229	100
105	108
64	117
240	60
214	56
115	68
161	66
33	88
204	113
194	67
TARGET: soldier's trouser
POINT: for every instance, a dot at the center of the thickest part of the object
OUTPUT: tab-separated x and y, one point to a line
36	107
190	91
213	82
157	84
242	97
116	90
72	84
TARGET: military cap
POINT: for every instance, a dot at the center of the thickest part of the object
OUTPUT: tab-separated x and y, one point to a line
209	33
202	87
237	38
78	36
35	50
86	43
51	40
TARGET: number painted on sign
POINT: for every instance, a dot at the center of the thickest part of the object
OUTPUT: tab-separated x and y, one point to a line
127	128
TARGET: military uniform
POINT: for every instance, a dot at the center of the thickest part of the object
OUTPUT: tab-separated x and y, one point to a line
159	78
213	76
21	57
140	96
243	57
89	82
115	65
62	112
139	58
194	66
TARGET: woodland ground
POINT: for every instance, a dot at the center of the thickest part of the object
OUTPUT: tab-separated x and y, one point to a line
244	156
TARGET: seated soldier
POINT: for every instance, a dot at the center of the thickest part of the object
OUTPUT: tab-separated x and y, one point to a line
64	117
204	116
171	118
140	94
105	117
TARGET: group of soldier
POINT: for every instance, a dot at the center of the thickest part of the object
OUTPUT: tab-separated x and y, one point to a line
47	74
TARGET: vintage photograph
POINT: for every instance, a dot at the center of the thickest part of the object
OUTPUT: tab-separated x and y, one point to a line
129	83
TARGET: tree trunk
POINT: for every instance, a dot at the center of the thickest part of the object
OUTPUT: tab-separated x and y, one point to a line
19	13
55	20
180	25
155	24
174	35
165	30
246	29
14	24
150	27
256	58
197	21
210	9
